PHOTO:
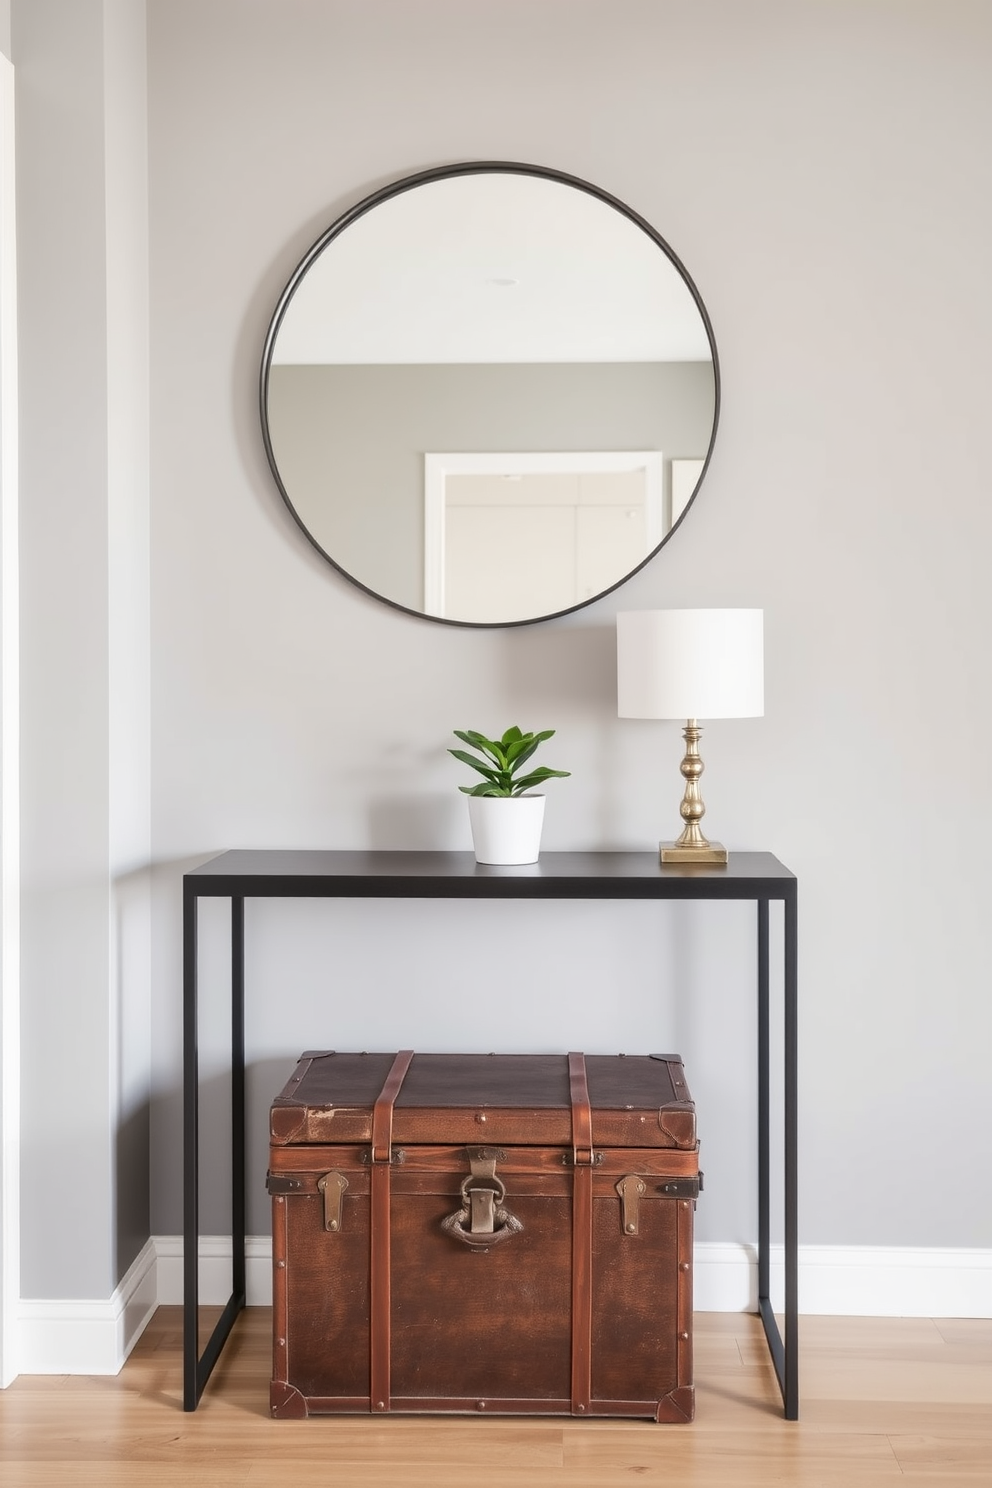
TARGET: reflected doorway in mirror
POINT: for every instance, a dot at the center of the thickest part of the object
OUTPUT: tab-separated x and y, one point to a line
557	527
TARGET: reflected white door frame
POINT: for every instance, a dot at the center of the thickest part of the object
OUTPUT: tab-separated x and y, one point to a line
440	467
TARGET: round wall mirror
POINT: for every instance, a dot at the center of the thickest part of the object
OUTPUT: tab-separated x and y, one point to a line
489	393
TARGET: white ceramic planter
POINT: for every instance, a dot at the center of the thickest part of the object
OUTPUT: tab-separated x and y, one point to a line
506	829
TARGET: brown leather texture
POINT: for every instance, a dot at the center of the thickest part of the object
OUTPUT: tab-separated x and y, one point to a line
639	1100
564	1313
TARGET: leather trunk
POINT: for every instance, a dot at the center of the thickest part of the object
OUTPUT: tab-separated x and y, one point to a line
485	1233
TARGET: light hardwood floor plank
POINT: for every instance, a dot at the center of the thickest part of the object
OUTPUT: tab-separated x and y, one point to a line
962	1457
884	1401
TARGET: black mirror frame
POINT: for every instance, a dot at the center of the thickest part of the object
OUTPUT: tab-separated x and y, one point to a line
396	188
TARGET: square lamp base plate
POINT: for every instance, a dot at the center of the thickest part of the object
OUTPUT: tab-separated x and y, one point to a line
714	852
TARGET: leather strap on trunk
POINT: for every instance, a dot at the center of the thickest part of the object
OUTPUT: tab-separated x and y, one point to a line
581	1235
382	1115
379	1278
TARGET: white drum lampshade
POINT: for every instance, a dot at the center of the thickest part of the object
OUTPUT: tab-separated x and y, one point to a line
690	664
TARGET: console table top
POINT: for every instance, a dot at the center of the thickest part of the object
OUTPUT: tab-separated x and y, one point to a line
316	873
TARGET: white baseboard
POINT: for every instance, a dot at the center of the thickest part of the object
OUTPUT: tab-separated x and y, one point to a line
214	1269
89	1337
850	1280
897	1281
66	1337
837	1280
724	1277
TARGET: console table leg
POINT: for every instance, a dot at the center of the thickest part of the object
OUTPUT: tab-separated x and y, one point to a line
764	1109
196	1369
784	1352
191	1218
791	1389
238	1207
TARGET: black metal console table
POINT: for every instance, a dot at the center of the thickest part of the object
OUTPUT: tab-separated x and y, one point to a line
241	875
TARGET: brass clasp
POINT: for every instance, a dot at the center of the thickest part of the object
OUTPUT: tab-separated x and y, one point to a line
630	1189
332	1186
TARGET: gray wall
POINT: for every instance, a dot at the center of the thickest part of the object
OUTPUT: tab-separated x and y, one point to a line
823	195
85	771
350	441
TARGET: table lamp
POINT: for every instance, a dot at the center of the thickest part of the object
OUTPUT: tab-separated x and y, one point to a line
690	664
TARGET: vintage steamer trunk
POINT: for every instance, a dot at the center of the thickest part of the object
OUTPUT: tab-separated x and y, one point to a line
498	1233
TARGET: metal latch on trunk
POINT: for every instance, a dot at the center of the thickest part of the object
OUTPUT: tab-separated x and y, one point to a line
681	1188
631	1189
332	1186
283	1183
482	1221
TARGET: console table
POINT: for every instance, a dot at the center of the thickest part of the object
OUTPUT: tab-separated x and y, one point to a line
241	875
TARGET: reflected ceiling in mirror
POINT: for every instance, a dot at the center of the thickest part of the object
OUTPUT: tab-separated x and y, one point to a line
481	390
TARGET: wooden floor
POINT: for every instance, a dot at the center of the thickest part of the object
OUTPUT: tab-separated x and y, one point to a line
885	1401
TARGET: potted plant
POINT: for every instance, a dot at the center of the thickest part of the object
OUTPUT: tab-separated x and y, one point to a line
505	812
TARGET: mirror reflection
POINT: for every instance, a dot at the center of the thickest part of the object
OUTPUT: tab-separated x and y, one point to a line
489	393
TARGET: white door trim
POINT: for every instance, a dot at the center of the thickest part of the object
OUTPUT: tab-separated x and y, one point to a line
438	466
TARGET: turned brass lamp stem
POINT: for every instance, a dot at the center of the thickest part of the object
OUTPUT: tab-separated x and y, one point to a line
691	846
692	809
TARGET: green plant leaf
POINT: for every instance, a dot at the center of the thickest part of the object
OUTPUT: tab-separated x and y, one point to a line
523	751
526	744
492	747
480	742
542	773
514	750
468	759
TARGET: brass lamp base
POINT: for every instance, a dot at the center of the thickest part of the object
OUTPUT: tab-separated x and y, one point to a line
692	846
713	852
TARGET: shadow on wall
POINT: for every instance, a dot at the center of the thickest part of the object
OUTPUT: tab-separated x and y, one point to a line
131	910
131	1147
